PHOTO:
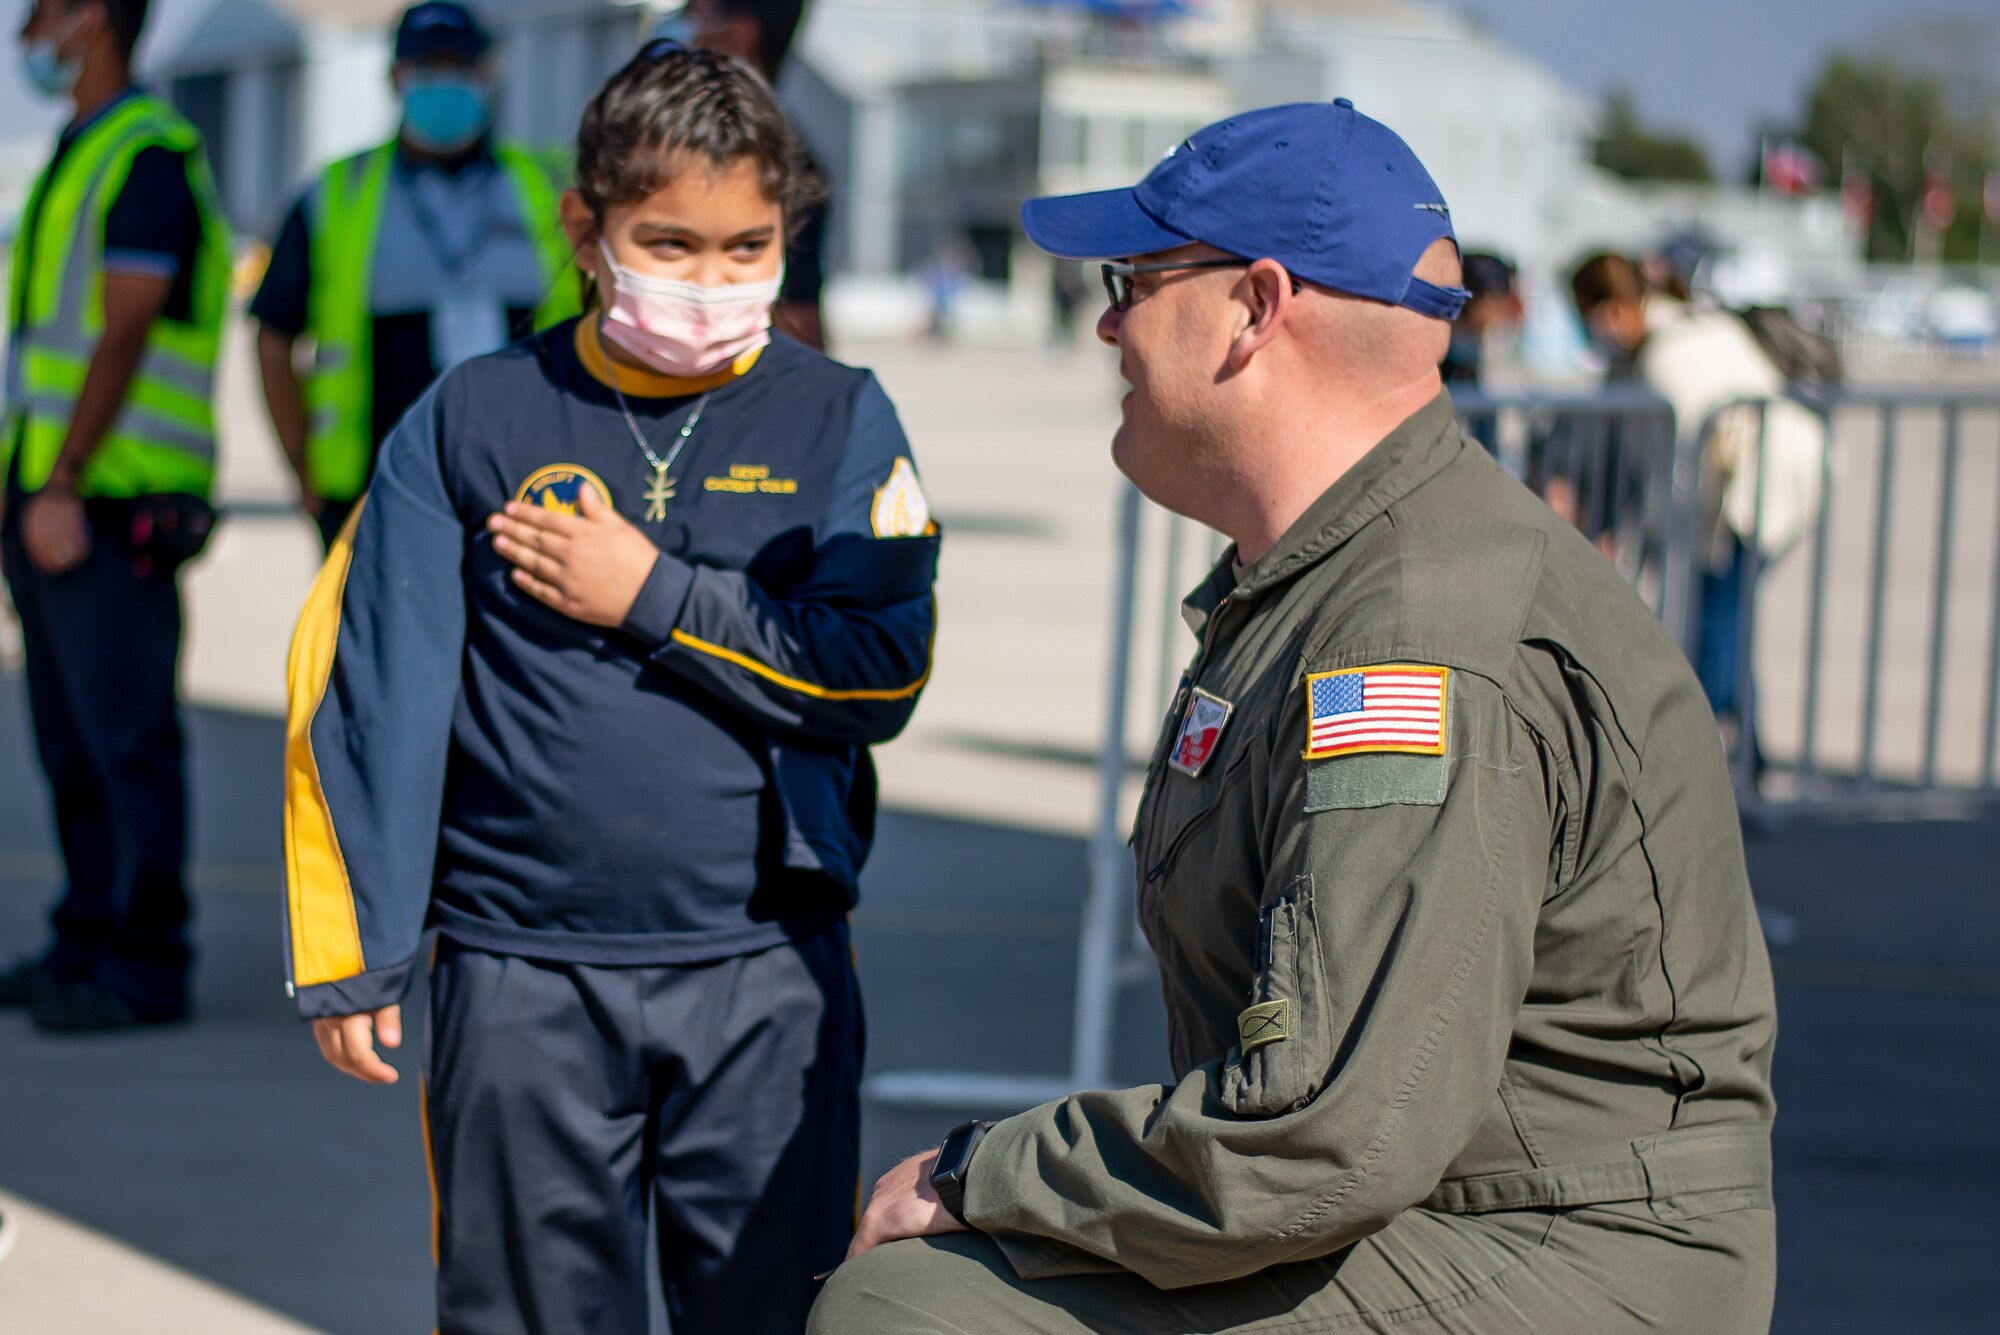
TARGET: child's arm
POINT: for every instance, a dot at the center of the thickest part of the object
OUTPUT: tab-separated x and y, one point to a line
373	677
839	657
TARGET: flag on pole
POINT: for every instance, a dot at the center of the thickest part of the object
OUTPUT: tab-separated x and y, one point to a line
1790	168
1940	205
1993	197
1857	192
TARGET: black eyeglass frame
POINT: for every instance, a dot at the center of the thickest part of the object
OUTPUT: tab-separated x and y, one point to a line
1118	276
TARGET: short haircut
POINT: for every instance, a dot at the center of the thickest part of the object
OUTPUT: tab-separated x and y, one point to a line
1606	277
777	24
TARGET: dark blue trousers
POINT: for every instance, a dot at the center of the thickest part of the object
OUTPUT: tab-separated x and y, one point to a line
567	1103
102	643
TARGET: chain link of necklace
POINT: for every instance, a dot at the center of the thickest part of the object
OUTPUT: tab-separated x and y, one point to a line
660	466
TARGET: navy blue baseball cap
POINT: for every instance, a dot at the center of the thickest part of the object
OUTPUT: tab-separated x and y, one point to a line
440	28
1337	198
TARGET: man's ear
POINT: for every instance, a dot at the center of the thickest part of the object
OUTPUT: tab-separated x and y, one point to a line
1268	296
93	23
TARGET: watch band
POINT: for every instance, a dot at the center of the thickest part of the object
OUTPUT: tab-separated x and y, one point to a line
954	1157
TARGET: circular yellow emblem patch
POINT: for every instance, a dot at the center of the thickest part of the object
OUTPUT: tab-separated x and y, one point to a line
559	487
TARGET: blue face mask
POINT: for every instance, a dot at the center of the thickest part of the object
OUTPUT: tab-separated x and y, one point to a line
445	113
47	72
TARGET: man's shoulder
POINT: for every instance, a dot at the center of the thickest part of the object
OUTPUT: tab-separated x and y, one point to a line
1453	590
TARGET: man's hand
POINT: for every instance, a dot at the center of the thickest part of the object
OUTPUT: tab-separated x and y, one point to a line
348	1042
54	530
903	1206
589	565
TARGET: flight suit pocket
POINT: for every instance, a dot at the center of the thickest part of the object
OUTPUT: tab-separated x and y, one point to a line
1281	1056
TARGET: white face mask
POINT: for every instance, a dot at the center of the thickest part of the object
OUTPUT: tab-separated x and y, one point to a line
686	329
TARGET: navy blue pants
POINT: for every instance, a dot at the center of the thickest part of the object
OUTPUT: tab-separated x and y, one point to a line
102	642
1721	634
567	1102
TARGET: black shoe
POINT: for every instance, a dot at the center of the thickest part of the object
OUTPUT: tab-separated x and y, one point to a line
26	981
85	1008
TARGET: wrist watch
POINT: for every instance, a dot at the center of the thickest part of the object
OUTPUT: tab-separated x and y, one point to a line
954	1157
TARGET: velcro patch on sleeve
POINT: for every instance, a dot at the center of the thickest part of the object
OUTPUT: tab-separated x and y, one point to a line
1376	781
1395	708
1264	1023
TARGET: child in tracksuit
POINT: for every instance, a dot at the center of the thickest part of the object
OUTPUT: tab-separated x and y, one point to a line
588	685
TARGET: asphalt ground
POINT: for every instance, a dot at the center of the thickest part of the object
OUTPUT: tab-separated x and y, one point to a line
226	1147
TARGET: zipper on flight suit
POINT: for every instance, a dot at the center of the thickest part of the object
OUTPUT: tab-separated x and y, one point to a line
1208	636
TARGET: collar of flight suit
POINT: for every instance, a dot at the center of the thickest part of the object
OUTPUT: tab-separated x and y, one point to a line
1409	456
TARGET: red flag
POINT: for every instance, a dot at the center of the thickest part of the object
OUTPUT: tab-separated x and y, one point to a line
1940	206
1790	169
1857	195
1993	197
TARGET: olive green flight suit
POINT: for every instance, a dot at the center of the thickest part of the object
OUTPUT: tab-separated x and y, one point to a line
1472	1035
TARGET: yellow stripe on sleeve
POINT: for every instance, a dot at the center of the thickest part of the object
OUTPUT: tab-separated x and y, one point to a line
326	937
813	689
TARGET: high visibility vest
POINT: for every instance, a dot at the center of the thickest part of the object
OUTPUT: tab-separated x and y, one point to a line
163	440
345	222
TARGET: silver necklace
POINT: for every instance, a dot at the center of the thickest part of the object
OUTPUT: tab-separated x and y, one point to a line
661	488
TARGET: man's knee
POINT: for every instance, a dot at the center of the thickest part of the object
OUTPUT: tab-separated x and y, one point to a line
881	1292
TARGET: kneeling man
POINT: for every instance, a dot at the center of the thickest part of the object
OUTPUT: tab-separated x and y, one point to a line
1469	1015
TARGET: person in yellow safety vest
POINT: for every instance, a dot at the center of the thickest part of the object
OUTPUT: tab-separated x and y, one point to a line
401	262
119	283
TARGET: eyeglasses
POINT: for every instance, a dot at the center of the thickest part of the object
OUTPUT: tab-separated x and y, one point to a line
1118	277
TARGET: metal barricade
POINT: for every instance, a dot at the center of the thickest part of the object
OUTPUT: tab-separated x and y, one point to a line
1868	650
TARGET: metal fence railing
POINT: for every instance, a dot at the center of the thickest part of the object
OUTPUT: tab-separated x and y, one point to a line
1827	712
1869	649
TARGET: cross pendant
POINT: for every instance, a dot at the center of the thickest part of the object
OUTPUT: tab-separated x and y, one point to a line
658	495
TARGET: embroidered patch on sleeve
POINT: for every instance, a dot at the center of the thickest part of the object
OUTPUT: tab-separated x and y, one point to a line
1394	708
901	509
1264	1023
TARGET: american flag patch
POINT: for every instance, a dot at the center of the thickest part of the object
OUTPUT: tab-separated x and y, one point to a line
1397	707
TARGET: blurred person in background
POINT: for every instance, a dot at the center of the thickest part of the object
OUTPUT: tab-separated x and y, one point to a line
119	284
403	261
1706	363
1494	311
760	34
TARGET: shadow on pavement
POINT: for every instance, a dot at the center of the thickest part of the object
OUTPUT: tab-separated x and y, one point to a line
229	1149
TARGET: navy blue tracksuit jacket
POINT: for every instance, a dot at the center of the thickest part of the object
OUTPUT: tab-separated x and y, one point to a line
691	786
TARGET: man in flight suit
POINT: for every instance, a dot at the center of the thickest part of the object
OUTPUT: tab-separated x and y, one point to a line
1470	1020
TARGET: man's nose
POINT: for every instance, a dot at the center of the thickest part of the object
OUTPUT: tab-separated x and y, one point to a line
1107	325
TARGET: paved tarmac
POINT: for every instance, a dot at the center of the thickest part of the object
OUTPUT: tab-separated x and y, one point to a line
227	1151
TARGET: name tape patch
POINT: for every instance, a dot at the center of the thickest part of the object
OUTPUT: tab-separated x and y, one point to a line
1397	707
